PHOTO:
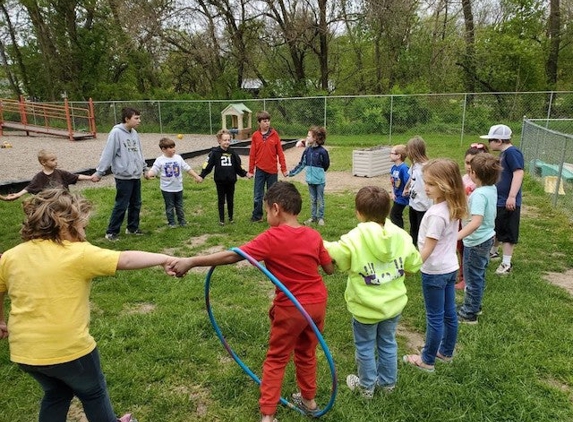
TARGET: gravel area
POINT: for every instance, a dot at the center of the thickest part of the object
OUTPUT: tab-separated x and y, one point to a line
19	163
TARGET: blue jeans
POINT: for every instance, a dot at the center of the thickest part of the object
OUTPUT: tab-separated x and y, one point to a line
441	318
316	201
83	378
261	178
369	338
174	205
127	198
475	260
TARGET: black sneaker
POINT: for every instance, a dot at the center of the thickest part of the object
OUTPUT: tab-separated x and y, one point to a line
467	319
135	232
256	220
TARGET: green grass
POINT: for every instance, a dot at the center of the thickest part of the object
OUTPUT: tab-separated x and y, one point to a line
163	361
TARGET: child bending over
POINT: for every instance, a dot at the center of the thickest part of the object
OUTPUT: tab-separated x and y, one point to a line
48	279
293	253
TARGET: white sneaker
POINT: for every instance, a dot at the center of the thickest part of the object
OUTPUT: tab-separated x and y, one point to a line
353	382
321	222
309	222
503	269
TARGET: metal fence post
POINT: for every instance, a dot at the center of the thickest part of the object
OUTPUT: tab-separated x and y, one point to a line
391	114
159	116
549	109
464	118
210	119
325	112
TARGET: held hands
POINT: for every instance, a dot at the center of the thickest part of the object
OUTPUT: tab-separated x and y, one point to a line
179	266
285	173
250	175
168	266
95	178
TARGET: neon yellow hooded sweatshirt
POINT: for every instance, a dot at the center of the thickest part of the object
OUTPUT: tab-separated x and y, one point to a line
376	258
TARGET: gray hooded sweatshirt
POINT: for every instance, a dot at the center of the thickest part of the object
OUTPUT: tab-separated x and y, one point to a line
123	153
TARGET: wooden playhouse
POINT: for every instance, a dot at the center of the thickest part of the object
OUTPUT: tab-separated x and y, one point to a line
241	119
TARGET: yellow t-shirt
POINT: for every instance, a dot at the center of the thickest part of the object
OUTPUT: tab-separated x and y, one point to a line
49	287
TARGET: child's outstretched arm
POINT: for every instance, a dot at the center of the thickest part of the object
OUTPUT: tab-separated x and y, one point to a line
135	260
14	196
181	265
197	178
84	177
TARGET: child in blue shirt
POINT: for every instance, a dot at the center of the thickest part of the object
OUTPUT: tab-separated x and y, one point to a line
398	177
317	161
478	234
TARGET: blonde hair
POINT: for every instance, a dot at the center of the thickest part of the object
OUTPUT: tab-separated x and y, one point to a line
44	155
54	212
416	148
221	133
445	174
401	151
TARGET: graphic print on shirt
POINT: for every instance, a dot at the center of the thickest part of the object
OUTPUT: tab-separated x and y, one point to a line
131	145
226	160
382	272
172	169
396	182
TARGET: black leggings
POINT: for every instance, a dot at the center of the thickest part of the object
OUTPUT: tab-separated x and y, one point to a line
415	220
225	191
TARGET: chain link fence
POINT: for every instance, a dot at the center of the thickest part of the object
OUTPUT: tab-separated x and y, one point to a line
383	116
547	146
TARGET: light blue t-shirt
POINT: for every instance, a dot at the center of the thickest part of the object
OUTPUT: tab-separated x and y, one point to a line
483	201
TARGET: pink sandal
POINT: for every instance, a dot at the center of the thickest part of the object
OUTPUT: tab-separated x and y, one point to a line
417	362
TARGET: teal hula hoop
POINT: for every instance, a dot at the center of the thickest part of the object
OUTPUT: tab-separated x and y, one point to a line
296	303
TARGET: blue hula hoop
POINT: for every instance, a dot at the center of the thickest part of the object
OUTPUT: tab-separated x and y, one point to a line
306	316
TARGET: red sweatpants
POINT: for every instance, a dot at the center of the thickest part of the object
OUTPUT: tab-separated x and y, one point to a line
290	332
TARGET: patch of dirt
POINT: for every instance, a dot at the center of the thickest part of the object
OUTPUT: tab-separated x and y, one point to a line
563	280
336	181
414	340
140	308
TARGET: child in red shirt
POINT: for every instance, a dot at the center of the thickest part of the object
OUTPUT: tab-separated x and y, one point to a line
265	155
293	253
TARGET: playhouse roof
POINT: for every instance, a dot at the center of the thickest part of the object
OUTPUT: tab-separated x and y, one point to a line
236	109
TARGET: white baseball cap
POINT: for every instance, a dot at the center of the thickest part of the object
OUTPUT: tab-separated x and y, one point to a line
498	132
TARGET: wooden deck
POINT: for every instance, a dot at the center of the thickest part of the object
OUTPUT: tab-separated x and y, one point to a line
46	130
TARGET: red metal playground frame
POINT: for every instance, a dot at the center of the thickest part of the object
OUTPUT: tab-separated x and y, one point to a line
73	123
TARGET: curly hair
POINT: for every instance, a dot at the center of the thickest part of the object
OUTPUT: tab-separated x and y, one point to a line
319	134
54	212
